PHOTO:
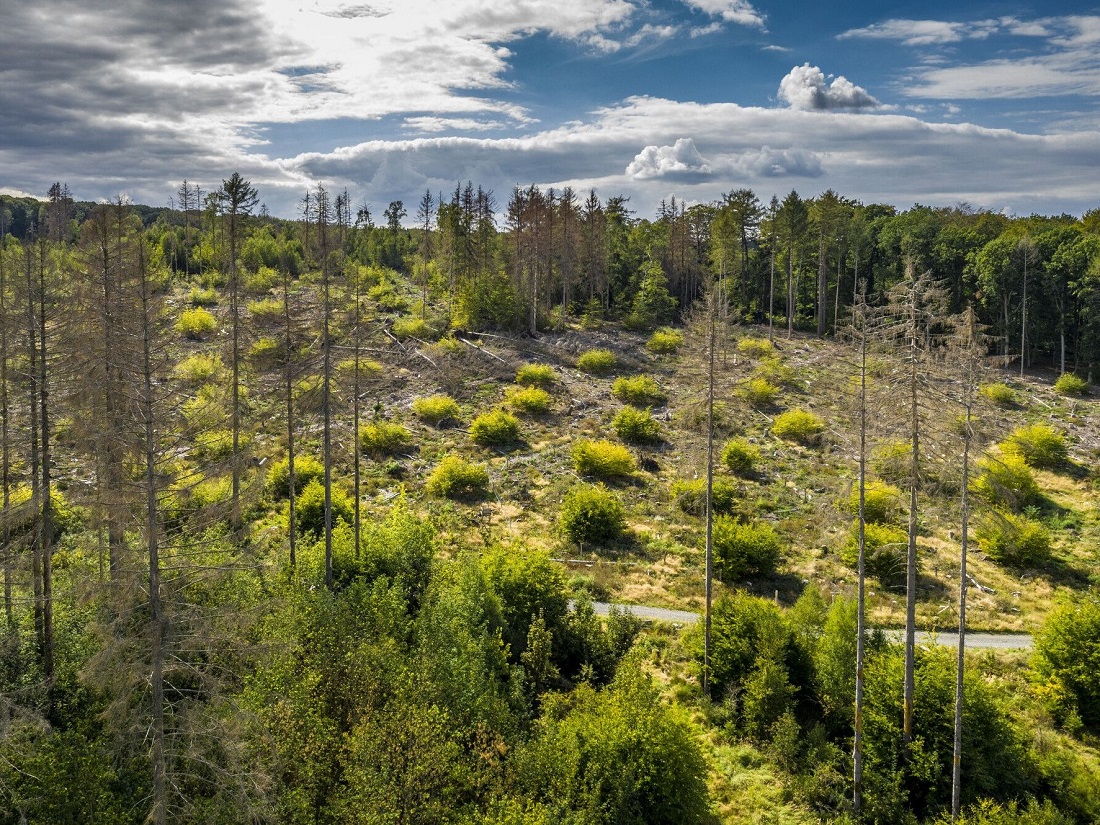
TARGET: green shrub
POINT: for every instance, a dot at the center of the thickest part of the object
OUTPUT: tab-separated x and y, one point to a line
1038	444
306	469
880	501
368	368
200	297
1000	394
536	375
885	551
309	507
740	457
495	429
774	371
387	298
214	445
1067	653
1070	384
196	323
21	516
641	391
755	347
458	479
1006	480
266	350
436	409
597	361
413	327
691	496
665	341
530	400
197	368
893	462
266	311
759	392
744	549
1013	539
383	438
636	426
602	459
591	514
798	425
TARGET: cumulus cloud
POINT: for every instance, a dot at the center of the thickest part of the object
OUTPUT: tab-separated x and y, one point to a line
806	88
681	161
740	12
766	162
941	32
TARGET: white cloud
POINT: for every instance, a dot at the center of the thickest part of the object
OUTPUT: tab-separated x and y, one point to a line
681	161
434	124
805	88
740	12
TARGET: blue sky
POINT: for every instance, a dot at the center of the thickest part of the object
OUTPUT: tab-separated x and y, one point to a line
992	104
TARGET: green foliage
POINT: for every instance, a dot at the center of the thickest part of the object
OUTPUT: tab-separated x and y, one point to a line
530	400
880	501
412	327
458	479
591	514
196	323
23	514
665	341
488	302
536	375
1001	395
200	297
893	462
1067	659
987	812
306	469
639	390
197	368
1070	384
885	551
383	438
310	507
616	757
652	305
755	348
266	350
529	586
636	426
495	429
740	457
1039	445
1009	538
267	311
436	409
602	459
1006	481
742	549
774	371
597	361
691	496
759	392
798	425
386	296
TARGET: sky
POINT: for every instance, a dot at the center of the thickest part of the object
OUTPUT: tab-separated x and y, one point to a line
990	104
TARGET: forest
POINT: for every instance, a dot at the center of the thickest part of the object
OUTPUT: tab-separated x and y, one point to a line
316	520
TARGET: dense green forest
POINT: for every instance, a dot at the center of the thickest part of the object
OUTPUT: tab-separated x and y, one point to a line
308	520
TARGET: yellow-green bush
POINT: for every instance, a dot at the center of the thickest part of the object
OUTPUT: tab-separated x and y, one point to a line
309	508
740	457
774	371
266	310
880	501
436	409
495	429
196	323
1006	480
456	478
265	350
530	400
759	392
636	426
665	341
412	327
1000	394
639	390
744	549
1011	538
382	438
1038	444
591	514
885	549
691	496
602	459
201	297
755	347
597	361
1070	384
798	425
536	375
306	469
197	368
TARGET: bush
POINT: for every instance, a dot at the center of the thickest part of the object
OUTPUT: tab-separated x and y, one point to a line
759	392
265	350
458	479
641	391
742	550
774	371
195	323
436	409
1070	384
691	496
411	327
1007	481
387	298
495	429
384	438
201	297
266	311
636	426
1000	394
597	361
531	400
536	375
309	509
197	368
1008	538
591	514
1038	445
798	425
755	347
665	341
1067	657
740	457
880	500
306	469
885	551
602	459
893	462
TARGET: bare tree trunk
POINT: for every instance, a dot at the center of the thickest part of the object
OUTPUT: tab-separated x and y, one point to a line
289	387
326	409
857	739
5	433
911	554
712	312
45	533
356	448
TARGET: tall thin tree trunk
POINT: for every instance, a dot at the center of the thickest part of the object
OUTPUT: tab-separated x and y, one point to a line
857	739
5	434
356	447
911	554
36	477
713	309
45	534
288	380
326	408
